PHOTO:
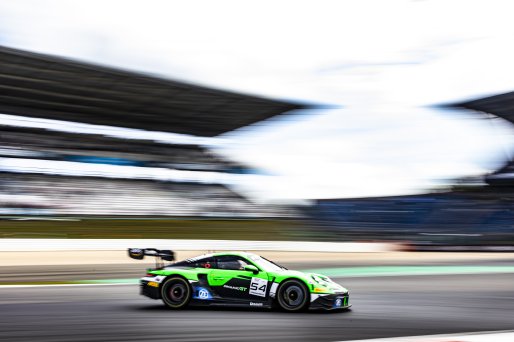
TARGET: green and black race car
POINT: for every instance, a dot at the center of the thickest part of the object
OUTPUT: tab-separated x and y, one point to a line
236	279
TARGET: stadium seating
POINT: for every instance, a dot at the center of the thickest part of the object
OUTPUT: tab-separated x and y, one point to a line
60	195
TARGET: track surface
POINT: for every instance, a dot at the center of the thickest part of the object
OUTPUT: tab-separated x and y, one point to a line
383	307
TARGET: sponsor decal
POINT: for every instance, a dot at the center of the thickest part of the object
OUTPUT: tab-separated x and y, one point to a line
237	288
153	284
258	287
256	304
202	293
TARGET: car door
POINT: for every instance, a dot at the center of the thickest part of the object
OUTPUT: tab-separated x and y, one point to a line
232	282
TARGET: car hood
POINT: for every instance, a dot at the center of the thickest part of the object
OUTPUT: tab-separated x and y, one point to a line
328	286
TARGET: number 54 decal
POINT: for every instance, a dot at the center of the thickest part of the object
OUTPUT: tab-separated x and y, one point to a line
258	287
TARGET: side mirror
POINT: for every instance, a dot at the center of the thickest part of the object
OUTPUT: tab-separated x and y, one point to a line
251	268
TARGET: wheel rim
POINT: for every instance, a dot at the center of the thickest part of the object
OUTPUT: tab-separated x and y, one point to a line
293	296
177	293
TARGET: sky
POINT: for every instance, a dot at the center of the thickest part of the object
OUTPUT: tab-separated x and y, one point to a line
381	67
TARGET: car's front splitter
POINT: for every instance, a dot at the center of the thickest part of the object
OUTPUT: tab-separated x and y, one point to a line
336	301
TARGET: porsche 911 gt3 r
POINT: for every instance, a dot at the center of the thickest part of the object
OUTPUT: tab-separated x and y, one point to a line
237	279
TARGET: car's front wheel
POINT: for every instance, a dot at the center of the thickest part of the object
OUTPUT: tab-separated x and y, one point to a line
176	293
293	295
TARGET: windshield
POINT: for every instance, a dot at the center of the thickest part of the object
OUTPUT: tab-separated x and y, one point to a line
265	264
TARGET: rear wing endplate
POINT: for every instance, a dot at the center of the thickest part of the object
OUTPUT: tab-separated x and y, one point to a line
162	254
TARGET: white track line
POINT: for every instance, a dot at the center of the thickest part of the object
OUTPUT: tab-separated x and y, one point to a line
61	285
483	336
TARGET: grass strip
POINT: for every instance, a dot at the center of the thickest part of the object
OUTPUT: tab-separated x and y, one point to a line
148	228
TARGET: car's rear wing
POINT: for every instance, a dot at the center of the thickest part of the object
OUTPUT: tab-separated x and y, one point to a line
160	254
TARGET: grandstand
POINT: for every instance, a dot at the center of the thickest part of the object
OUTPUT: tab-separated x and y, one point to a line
35	194
482	216
50	170
51	145
501	106
476	214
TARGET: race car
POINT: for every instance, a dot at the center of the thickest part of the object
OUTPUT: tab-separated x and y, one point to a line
236	279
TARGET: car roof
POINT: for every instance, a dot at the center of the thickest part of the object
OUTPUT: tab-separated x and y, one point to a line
235	253
243	254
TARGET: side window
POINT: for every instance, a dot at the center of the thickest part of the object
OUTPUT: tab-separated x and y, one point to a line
201	261
204	263
231	262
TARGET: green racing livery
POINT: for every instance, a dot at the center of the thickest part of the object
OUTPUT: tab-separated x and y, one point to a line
236	279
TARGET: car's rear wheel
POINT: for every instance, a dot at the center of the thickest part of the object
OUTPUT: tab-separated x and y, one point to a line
293	295
176	293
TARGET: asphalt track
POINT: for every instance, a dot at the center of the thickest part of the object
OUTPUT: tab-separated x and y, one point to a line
383	307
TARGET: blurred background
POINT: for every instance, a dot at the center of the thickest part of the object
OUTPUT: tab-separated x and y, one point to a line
382	127
344	131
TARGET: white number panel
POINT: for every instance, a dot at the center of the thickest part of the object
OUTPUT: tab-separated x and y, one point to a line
258	287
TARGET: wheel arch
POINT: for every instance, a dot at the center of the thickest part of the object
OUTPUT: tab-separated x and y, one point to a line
307	285
295	278
174	275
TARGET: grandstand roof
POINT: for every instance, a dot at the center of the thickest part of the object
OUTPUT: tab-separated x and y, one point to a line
44	86
501	105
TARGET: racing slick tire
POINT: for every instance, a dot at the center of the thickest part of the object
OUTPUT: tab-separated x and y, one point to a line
293	296
176	293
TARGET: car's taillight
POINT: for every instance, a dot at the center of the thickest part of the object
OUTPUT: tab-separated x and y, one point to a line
150	275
